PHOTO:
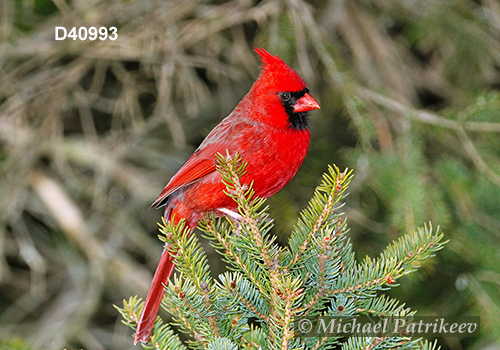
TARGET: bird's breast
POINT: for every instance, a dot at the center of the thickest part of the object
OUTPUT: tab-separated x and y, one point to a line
273	158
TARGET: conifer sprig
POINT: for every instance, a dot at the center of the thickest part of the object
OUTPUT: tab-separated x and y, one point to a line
163	337
254	305
259	247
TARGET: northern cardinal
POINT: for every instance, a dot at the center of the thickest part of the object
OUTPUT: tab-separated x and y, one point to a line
269	128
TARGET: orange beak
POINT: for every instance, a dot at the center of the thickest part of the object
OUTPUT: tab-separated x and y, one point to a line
305	103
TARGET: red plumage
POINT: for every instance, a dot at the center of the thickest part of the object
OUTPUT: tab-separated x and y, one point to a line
269	129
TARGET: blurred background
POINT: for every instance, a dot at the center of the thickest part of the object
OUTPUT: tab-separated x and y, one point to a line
91	131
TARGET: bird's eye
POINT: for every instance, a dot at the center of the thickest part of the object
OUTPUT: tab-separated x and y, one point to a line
285	96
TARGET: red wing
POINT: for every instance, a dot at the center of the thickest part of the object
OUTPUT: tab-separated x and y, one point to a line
202	162
193	170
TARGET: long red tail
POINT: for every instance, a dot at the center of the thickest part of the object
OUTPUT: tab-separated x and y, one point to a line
153	300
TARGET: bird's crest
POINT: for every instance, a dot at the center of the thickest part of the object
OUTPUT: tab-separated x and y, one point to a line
268	59
278	73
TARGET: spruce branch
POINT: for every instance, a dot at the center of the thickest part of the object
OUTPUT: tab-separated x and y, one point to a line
231	170
192	259
163	337
321	210
254	305
256	246
193	262
397	260
223	244
382	306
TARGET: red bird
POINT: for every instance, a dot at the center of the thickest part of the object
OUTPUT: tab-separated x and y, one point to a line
269	128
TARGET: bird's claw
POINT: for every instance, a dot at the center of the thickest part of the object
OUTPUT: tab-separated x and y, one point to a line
234	216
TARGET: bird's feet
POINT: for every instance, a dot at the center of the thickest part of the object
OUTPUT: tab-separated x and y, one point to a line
235	217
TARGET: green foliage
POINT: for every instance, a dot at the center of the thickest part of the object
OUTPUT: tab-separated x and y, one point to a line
163	336
14	344
253	306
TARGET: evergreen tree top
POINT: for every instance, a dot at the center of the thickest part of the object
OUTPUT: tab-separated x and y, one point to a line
253	305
